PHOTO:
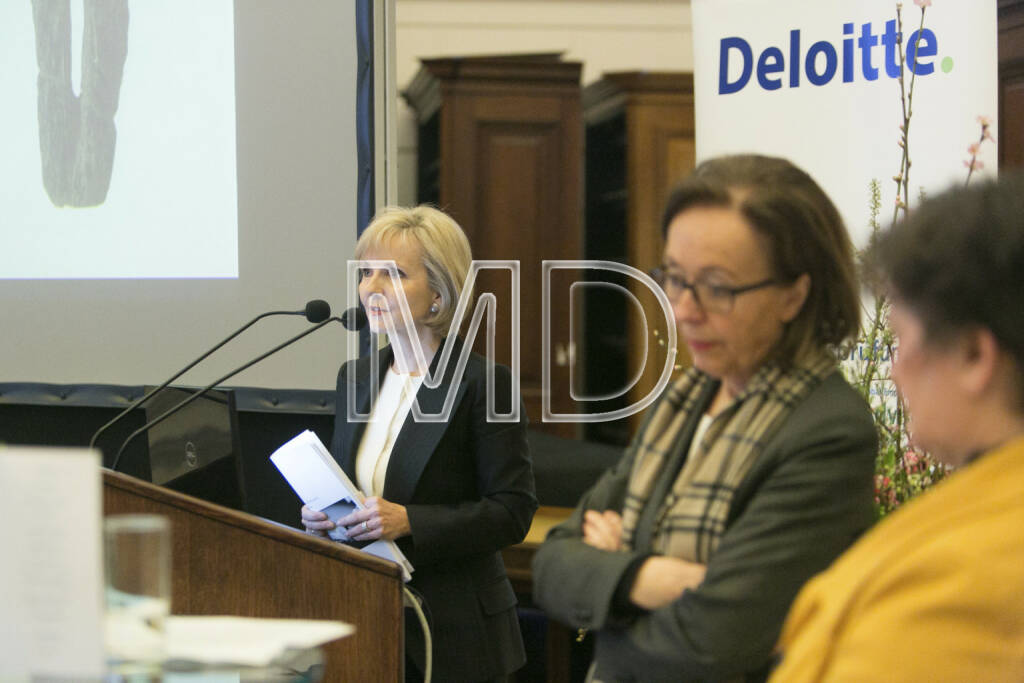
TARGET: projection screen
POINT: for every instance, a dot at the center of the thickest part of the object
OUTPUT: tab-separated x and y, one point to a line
169	170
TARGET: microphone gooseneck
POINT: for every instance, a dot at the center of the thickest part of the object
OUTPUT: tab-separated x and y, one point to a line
178	406
316	308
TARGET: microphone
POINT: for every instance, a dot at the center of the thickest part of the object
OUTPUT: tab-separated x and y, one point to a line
353	319
315	311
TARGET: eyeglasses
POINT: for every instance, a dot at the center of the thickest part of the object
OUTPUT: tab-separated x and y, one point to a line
709	296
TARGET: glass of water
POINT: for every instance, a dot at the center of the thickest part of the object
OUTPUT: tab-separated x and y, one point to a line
137	561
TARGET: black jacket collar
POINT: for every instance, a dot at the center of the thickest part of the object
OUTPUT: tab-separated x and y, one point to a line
417	440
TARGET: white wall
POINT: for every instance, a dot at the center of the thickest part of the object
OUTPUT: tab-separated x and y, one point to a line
605	35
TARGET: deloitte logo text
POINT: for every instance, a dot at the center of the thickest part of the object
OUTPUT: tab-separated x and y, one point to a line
821	61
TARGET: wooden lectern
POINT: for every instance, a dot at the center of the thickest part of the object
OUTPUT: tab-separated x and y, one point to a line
228	562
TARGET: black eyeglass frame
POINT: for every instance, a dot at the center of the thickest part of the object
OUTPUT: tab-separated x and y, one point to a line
661	275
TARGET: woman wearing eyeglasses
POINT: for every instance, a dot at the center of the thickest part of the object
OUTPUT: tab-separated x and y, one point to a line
754	469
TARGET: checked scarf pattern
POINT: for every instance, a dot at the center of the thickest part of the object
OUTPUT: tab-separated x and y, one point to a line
693	515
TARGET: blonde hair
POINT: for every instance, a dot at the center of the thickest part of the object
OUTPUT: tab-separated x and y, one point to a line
446	253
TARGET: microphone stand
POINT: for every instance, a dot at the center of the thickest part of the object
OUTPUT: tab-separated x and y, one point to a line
157	420
153	392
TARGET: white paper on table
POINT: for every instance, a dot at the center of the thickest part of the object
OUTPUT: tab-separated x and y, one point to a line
51	601
201	677
242	641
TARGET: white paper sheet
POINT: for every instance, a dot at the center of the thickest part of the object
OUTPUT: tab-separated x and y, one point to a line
241	641
317	479
309	468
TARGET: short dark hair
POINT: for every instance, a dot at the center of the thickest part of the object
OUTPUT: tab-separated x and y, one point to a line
806	234
958	263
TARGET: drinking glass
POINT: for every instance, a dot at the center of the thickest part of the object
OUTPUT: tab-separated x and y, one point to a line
137	561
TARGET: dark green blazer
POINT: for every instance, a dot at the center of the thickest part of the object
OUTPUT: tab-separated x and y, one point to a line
807	497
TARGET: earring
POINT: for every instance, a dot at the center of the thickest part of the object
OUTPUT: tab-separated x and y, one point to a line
434	309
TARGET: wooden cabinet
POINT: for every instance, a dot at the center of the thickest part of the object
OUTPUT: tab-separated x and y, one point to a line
1011	84
639	144
501	150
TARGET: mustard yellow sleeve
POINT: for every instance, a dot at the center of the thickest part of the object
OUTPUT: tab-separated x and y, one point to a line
947	608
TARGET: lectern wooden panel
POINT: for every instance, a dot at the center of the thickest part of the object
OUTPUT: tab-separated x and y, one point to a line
228	562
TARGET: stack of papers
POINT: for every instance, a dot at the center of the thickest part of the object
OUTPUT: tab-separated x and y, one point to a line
322	485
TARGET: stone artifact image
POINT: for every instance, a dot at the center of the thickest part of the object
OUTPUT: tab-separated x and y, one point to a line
77	136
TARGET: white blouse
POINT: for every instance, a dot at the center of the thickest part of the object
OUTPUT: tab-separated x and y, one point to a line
397	391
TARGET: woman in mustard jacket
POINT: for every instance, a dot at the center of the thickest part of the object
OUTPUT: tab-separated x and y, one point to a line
936	591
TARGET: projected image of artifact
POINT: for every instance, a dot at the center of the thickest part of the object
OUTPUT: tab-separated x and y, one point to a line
77	136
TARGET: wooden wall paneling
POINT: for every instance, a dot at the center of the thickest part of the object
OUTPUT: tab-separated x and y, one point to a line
659	151
1011	120
511	164
662	152
1011	84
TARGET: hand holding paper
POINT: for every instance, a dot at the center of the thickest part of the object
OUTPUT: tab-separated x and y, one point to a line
316	522
383	519
324	487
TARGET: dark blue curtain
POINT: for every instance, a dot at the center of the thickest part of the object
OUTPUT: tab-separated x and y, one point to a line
364	113
364	130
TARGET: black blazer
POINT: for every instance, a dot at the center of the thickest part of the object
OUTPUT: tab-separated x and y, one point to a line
468	488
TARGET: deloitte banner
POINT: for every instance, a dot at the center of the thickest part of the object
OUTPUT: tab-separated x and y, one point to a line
818	82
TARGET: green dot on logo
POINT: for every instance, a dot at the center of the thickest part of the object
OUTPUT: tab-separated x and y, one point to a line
947	64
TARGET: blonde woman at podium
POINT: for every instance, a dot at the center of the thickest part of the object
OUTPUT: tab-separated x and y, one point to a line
451	494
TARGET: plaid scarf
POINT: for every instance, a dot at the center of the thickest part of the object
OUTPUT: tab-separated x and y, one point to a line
692	518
